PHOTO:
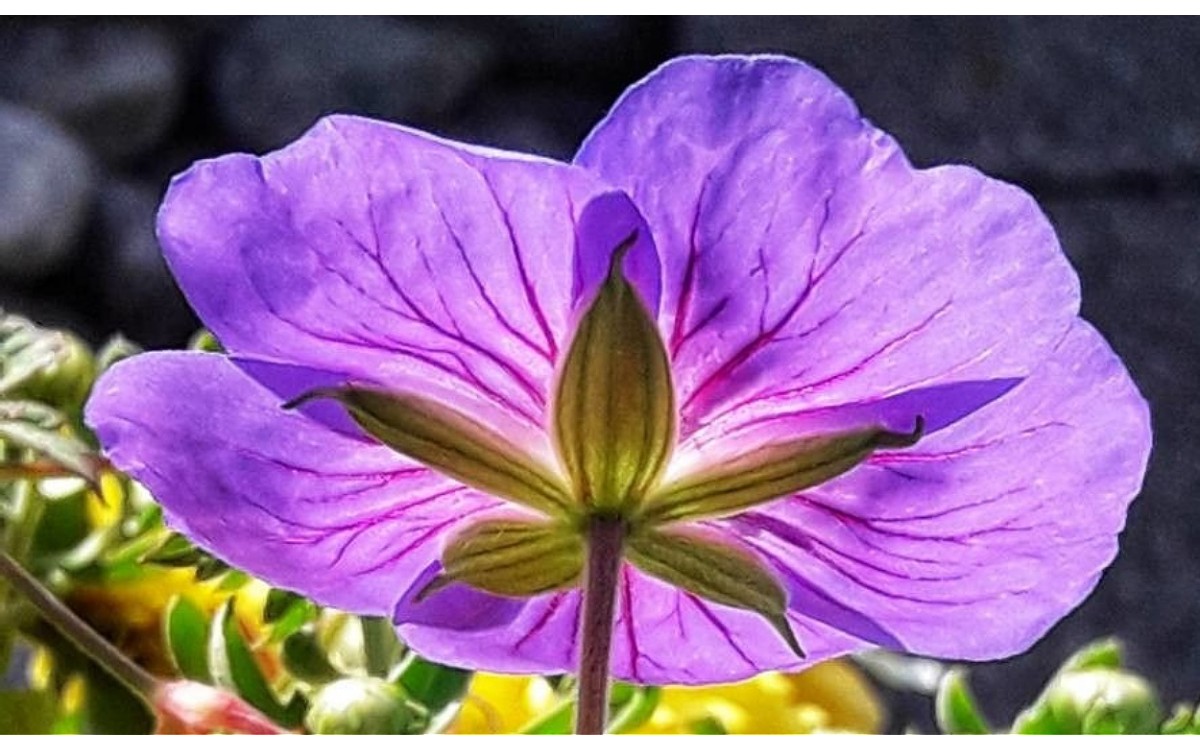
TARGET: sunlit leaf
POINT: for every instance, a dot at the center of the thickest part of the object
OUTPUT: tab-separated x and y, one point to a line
185	628
955	706
233	667
70	453
434	686
305	659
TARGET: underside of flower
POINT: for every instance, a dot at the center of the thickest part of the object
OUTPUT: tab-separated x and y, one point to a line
614	426
705	347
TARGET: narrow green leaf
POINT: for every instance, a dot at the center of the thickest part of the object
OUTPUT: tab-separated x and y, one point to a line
33	412
381	647
434	686
233	580
26	351
955	707
70	453
636	711
299	614
185	629
1184	719
279	601
176	551
286	612
714	571
305	659
768	473
614	411
453	444
512	557
208	568
555	721
233	666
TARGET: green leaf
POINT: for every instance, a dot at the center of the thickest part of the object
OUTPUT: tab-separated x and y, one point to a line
636	711
768	473
233	667
33	412
708	725
557	720
26	351
305	659
286	613
955	706
208	568
27	711
71	454
1184	719
715	571
453	444
175	551
279	601
512	557
434	686
614	410
381	647
185	629
233	580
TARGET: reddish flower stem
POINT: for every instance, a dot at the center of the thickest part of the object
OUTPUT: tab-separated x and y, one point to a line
605	539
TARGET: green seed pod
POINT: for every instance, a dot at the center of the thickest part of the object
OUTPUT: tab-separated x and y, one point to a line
1093	701
364	705
65	376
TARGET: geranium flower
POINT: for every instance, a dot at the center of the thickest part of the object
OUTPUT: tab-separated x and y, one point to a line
835	401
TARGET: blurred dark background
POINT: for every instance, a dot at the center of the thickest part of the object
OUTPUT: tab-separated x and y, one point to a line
1098	118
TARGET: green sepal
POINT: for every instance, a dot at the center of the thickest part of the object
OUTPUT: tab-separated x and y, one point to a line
453	444
614	408
512	557
714	571
768	473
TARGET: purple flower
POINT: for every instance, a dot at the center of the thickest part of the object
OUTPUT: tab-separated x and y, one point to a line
805	281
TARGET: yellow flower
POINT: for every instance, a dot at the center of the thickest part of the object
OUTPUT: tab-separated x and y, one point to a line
503	704
830	697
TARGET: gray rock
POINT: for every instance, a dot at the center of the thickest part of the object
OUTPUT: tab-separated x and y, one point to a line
137	293
45	190
276	76
571	46
545	120
118	86
1040	98
1139	261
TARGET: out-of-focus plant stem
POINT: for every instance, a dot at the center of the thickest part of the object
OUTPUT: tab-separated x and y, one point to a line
76	630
